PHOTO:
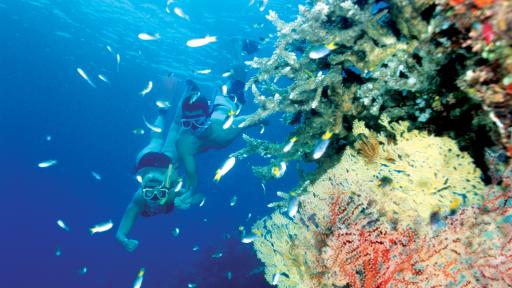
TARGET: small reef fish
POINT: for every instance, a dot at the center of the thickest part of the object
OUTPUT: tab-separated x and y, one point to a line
178	11
178	186
202	202
147	89
290	144
82	73
152	127
229	275
62	225
217	254
102	227
192	285
163	104
204	71
118	60
110	49
322	144
224	169
224	90
138	178
58	252
229	120
275	278
47	163
233	201
48	138
262	129
264	188
293	206
138	281
278	171
96	175
176	232
195	248
138	131
248	217
103	78
227	74
148	37
263	4
249	238
322	51
83	270
198	42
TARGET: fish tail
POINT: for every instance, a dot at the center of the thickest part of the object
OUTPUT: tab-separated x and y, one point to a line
217	176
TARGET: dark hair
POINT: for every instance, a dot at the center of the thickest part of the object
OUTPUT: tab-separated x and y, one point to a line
198	104
153	159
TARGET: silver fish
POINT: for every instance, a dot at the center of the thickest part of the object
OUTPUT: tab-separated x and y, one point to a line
147	89
118	60
47	163
249	238
233	201
152	127
103	78
320	148
293	206
217	254
102	227
178	11
82	73
96	175
275	278
148	37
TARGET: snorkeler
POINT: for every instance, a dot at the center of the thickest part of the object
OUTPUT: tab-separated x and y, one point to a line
203	126
160	188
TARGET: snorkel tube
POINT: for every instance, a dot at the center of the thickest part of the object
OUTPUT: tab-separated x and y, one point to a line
167	183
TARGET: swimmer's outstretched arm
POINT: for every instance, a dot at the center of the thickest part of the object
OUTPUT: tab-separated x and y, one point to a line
129	216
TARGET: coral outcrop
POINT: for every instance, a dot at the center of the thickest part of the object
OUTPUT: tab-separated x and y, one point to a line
346	60
353	227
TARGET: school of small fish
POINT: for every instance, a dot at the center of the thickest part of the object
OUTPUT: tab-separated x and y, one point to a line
278	170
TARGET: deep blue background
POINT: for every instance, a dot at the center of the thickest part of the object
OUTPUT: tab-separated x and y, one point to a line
42	44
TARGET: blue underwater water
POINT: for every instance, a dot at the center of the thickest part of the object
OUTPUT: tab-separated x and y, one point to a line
48	111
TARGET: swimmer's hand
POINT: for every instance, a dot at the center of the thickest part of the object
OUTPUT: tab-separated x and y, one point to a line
128	244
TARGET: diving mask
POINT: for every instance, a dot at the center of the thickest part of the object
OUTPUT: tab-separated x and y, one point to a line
194	123
150	192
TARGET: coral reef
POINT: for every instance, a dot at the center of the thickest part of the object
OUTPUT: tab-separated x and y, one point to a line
343	235
346	60
390	205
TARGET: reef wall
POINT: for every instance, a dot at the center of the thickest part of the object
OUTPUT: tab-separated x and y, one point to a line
427	61
406	108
